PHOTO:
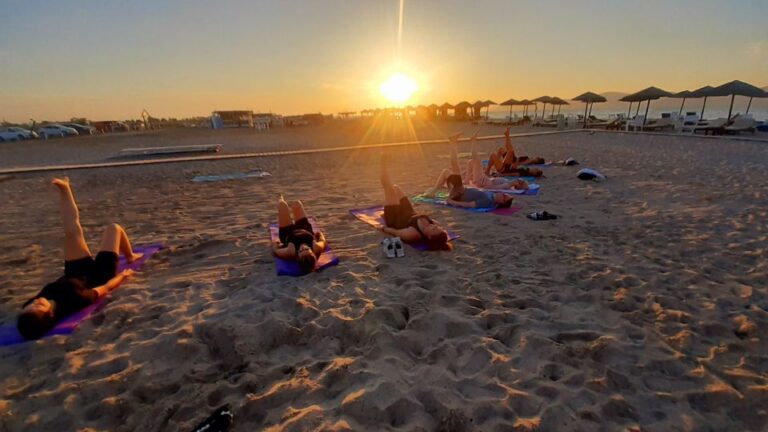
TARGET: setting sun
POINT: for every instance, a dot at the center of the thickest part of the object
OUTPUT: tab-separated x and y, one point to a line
398	88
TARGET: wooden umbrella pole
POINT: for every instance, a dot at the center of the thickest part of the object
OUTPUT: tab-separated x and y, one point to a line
730	110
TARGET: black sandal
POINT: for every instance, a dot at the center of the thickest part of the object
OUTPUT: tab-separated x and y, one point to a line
542	215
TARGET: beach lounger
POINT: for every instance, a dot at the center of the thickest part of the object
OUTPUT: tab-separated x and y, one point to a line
741	124
716	126
661	124
9	334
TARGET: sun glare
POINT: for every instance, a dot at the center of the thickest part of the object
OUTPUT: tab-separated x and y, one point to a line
398	88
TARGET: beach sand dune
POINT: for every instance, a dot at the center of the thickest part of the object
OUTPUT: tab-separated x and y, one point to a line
643	308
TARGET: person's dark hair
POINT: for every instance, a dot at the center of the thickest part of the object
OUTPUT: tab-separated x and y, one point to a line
34	324
307	262
439	241
454	181
505	204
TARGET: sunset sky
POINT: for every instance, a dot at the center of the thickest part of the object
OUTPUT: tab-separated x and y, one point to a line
111	59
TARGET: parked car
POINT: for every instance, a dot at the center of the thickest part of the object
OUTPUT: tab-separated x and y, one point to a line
16	134
81	129
55	130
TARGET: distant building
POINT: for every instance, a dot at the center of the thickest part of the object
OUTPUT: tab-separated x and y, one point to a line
228	119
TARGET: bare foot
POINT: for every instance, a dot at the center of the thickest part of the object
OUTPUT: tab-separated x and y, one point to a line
62	183
133	257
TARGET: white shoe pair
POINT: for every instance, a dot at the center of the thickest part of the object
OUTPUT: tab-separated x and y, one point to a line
393	247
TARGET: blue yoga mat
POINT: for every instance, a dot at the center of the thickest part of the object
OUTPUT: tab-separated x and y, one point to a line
374	216
291	268
9	335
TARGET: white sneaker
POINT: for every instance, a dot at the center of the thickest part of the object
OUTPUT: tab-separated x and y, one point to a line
399	249
389	247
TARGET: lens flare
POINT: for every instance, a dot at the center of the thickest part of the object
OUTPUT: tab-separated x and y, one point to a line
398	88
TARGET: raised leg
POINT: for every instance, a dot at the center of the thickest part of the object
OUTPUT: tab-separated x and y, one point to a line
494	162
116	240
75	246
392	193
510	157
297	208
283	213
438	185
475	170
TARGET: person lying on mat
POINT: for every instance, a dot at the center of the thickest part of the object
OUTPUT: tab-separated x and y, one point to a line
475	175
86	279
470	197
505	162
298	241
400	219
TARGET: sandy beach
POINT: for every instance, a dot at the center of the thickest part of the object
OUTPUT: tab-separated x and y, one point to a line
645	307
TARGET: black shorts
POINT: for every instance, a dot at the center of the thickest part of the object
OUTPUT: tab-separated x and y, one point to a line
398	216
95	271
286	231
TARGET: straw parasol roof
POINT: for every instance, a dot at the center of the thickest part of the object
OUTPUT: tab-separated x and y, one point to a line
739	88
590	97
462	105
648	94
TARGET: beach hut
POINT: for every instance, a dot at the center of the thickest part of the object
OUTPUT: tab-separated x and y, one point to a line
460	110
477	108
589	98
739	88
432	110
444	109
648	94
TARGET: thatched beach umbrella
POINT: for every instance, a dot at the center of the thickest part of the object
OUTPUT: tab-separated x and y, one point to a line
685	94
488	104
544	100
704	92
739	88
526	103
589	98
648	94
510	103
559	102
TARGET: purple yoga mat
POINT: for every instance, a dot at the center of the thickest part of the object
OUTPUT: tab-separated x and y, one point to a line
291	268
9	335
374	216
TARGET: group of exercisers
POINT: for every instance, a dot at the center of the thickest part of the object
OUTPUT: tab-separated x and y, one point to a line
87	278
